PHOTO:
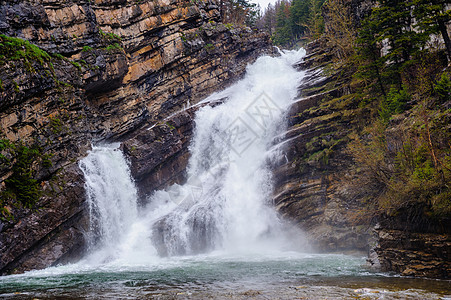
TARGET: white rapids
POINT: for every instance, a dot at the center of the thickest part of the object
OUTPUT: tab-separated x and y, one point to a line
225	205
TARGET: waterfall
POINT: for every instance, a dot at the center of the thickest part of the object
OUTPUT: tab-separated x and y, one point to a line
226	202
111	195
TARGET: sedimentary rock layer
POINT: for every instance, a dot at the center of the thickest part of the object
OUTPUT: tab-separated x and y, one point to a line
110	70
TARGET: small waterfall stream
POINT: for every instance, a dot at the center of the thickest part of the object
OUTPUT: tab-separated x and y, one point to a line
111	196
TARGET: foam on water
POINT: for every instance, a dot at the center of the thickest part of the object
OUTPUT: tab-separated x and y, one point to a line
217	235
225	204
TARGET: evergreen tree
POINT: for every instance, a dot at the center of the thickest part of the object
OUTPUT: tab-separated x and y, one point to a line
283	35
293	20
432	17
270	19
240	12
300	11
388	42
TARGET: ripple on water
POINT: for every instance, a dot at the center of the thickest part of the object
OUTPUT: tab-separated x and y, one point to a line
218	276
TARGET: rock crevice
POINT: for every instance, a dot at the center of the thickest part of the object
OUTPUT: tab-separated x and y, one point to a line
104	70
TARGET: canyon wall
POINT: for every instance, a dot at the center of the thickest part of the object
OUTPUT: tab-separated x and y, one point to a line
103	70
323	188
132	72
310	188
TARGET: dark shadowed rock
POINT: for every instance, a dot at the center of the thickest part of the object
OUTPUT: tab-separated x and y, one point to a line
115	69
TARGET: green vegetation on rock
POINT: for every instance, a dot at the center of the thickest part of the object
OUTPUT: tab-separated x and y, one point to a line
16	49
21	188
404	154
392	114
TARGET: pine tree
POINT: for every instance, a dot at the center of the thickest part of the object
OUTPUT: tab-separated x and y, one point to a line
283	35
388	42
432	17
300	11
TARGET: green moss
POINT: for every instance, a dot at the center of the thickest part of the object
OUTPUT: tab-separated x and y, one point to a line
86	49
209	47
46	160
76	64
59	56
5	145
21	183
16	86
170	126
62	83
113	36
56	125
320	148
114	47
1	86
21	187
109	37
13	49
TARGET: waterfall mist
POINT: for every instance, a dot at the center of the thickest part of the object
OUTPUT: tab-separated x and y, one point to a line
226	203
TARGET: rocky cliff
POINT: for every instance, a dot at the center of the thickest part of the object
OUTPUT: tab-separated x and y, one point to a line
325	188
77	72
322	189
310	189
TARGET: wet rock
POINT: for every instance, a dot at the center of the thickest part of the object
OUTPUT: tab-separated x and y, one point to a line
315	189
116	68
414	254
308	185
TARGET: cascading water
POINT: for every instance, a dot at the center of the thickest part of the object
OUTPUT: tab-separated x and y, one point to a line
224	211
111	195
226	202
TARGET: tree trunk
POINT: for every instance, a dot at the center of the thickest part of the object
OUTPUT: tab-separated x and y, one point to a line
444	32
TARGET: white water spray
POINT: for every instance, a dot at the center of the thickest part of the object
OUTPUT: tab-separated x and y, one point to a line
111	196
226	202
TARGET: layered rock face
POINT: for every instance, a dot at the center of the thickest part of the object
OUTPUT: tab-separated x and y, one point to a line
413	253
322	190
115	69
309	186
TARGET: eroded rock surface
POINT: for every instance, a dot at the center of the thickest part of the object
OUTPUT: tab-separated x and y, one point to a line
115	69
320	188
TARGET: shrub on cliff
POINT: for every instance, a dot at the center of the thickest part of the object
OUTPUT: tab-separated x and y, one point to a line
403	158
12	49
20	188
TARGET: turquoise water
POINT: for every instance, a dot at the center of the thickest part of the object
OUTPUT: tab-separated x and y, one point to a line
222	206
284	275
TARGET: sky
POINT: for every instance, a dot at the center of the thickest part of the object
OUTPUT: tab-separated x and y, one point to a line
263	3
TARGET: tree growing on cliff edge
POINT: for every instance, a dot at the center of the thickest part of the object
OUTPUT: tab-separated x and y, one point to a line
283	34
405	152
394	36
268	21
340	31
294	20
239	12
433	17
